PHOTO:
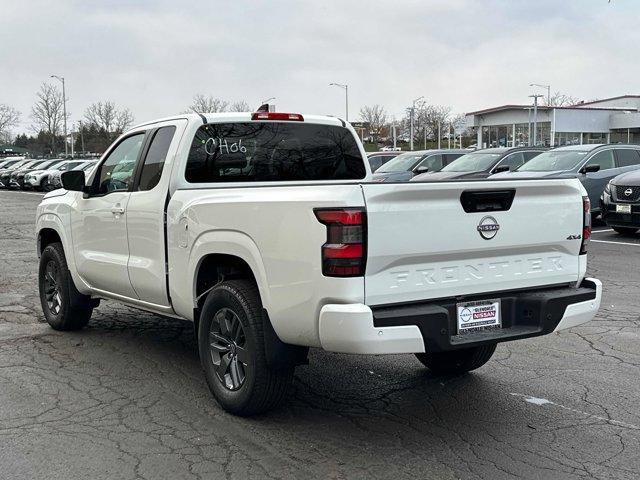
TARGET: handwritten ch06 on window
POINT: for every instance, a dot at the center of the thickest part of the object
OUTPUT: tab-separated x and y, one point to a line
223	146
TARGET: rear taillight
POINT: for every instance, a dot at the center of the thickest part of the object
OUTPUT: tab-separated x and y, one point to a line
291	117
344	254
586	225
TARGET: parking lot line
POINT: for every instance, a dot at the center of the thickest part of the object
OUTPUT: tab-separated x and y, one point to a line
605	230
616	243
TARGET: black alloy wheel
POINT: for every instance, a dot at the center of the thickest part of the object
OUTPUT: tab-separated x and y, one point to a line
227	342
52	283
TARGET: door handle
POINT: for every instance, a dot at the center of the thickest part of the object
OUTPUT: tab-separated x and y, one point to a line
117	210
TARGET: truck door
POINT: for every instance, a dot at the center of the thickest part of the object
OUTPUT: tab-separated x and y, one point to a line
145	216
98	222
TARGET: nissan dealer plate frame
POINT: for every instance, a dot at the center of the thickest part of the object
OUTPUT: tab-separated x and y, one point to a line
478	316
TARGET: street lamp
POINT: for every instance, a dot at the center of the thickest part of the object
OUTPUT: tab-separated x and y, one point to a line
64	112
345	87
548	87
535	117
267	100
413	114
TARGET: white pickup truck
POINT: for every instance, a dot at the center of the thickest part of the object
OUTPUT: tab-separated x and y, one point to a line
265	231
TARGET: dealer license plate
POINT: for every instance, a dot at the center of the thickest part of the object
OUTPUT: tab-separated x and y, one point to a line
478	316
623	208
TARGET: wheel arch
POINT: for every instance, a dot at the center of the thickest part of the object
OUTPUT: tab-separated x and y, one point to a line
50	229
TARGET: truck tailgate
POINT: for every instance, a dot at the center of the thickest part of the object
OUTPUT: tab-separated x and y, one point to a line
422	244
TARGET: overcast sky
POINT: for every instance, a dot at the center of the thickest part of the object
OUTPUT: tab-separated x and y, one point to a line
153	56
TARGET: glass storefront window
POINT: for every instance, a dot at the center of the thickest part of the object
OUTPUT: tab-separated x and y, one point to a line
522	135
544	134
566	138
622	136
594	138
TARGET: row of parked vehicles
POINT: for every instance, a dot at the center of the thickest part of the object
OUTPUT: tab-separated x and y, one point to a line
610	173
44	175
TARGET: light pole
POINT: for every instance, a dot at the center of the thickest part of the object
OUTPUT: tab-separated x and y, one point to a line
267	100
535	117
413	114
548	87
64	112
345	87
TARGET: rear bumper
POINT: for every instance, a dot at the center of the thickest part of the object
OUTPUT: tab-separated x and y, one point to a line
431	327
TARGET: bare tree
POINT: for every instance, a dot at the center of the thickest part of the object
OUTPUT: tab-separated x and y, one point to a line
426	120
207	104
560	100
47	112
108	117
9	117
376	117
240	106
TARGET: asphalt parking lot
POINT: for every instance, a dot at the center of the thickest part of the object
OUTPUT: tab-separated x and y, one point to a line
125	398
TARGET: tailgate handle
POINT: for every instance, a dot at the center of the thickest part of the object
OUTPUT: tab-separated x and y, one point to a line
487	200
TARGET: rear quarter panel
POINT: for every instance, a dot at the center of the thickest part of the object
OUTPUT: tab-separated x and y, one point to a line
272	228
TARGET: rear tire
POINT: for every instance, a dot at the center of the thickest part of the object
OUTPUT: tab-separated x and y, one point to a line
64	307
625	230
232	351
457	361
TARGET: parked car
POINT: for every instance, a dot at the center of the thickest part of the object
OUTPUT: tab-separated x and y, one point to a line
5	174
377	159
390	149
620	203
53	180
8	164
403	167
17	179
482	163
37	178
265	231
593	165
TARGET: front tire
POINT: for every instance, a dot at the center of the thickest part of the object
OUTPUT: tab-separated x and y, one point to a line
232	351
625	230
63	306
456	362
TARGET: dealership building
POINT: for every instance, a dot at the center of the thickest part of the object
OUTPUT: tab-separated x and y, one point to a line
611	120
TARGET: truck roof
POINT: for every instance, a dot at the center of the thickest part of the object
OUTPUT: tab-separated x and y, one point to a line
238	117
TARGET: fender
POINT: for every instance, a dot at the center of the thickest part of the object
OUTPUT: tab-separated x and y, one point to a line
54	222
229	242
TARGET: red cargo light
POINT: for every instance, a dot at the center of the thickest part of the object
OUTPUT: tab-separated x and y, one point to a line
586	225
291	117
344	253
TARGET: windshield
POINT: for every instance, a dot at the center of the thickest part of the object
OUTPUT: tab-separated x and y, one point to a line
8	164
402	163
472	162
553	160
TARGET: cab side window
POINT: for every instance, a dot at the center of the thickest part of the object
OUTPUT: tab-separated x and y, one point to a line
604	159
375	162
627	157
450	157
432	162
529	155
116	172
513	161
155	158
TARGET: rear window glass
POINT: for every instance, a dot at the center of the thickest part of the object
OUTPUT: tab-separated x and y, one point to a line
269	152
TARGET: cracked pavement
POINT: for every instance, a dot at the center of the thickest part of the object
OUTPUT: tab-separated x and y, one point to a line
126	399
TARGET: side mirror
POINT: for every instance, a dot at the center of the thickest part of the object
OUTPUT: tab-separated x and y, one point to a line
502	168
73	180
590	169
420	169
